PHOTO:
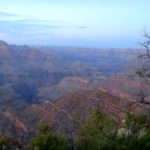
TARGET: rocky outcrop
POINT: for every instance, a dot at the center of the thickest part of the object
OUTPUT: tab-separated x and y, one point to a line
69	112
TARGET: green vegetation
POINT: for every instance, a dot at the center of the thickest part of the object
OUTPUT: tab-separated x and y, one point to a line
4	144
102	133
7	143
99	132
47	140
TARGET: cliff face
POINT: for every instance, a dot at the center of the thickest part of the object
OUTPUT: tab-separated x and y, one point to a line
122	86
11	124
69	112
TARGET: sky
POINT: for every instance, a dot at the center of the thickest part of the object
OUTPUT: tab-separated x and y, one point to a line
80	23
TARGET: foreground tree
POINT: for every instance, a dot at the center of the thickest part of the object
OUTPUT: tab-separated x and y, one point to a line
143	69
7	143
101	133
4	144
47	140
134	133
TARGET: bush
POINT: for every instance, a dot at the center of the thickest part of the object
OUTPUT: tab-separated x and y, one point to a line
47	140
102	133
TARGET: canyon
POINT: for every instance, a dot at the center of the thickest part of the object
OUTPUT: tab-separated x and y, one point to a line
60	86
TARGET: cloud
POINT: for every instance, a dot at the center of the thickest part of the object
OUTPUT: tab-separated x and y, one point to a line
18	28
29	26
82	27
8	16
4	14
13	24
26	28
9	21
